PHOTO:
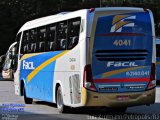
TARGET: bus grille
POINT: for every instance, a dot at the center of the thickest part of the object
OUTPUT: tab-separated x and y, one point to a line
121	55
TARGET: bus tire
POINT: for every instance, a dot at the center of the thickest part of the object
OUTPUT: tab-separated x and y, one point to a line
59	98
26	99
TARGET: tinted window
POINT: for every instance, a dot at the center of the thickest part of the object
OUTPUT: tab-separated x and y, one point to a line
42	32
25	42
73	32
32	47
61	41
158	50
51	37
58	36
18	37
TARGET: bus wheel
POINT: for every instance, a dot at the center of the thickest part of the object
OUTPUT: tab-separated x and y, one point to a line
26	99
61	107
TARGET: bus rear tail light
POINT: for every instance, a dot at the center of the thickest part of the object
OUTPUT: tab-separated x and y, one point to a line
87	78
152	82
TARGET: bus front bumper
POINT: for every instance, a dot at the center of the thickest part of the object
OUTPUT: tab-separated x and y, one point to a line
90	98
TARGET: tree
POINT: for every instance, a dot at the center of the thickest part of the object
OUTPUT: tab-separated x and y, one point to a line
14	13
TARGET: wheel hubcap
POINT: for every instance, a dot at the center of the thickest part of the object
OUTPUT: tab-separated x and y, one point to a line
59	99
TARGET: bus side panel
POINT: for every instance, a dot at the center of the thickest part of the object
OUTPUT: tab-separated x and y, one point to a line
41	86
67	75
38	72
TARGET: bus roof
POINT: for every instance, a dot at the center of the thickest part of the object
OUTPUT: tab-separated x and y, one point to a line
41	20
57	17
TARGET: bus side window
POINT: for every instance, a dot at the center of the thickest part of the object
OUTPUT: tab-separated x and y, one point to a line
18	37
73	32
25	42
157	50
41	39
61	41
15	60
51	37
32	39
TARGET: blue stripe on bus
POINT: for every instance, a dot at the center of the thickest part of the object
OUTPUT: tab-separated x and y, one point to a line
41	85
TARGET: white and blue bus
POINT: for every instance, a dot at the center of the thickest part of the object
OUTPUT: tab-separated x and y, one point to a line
158	60
91	57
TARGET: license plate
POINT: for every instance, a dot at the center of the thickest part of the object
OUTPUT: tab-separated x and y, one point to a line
123	98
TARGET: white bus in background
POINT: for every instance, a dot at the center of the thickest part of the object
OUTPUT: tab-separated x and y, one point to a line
97	57
9	64
2	59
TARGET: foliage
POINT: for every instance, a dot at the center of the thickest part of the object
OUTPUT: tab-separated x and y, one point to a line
14	13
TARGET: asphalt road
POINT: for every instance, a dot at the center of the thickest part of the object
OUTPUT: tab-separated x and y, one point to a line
46	111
